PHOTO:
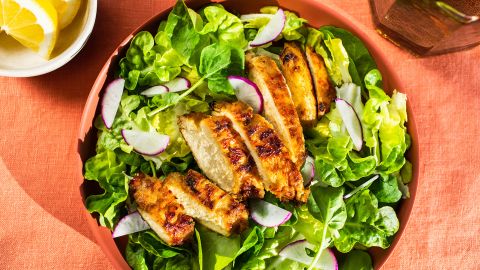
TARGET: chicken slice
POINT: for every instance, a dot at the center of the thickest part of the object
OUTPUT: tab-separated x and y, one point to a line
278	104
297	74
279	174
324	91
161	210
207	203
221	154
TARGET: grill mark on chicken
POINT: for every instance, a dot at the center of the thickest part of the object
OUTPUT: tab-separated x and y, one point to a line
160	209
279	107
295	69
221	153
279	174
324	90
207	203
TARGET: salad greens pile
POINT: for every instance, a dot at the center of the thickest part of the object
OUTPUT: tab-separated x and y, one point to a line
205	47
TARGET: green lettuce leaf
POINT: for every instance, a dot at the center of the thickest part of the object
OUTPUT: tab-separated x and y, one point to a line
361	62
223	26
333	53
146	251
182	28
218	251
147	64
108	171
386	189
366	224
357	260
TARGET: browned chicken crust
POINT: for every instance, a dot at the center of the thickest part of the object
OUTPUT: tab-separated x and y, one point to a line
278	104
221	154
279	174
324	91
161	210
297	74
207	203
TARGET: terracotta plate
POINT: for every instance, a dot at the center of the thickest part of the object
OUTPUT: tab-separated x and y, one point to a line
317	14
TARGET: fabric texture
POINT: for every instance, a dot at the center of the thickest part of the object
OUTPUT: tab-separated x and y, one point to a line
43	225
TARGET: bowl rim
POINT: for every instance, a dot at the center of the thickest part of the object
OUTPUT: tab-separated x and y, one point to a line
354	26
65	56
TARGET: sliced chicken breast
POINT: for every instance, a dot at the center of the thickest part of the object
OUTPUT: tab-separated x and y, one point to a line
278	104
207	203
297	74
161	210
279	174
324	91
221	154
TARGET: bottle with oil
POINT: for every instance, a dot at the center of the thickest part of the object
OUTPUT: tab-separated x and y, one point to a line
428	27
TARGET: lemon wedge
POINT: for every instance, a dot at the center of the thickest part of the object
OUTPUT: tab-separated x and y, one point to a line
33	23
66	10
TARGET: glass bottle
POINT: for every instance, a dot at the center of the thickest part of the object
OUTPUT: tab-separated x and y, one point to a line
428	27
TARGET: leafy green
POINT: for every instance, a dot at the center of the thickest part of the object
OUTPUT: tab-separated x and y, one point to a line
218	251
357	260
108	171
361	62
223	27
385	118
251	245
147	63
386	189
326	204
267	257
333	53
182	28
294	26
366	224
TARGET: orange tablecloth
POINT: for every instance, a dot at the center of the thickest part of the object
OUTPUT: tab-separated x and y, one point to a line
42	224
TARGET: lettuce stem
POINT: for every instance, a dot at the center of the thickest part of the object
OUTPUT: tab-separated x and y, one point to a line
319	252
184	94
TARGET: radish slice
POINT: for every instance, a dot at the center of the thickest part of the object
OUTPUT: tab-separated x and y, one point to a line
271	31
155	91
254	16
295	251
149	143
267	214
351	121
129	224
247	91
178	84
308	171
111	101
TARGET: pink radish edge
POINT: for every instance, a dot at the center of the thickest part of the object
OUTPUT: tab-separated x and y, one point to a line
241	96
267	34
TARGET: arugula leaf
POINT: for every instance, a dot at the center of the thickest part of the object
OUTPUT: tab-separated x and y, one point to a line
357	260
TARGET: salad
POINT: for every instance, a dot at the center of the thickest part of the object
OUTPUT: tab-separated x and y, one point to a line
354	174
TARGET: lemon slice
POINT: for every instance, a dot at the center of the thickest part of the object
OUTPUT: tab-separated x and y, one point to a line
66	10
33	23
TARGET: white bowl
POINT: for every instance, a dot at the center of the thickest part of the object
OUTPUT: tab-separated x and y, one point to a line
18	61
